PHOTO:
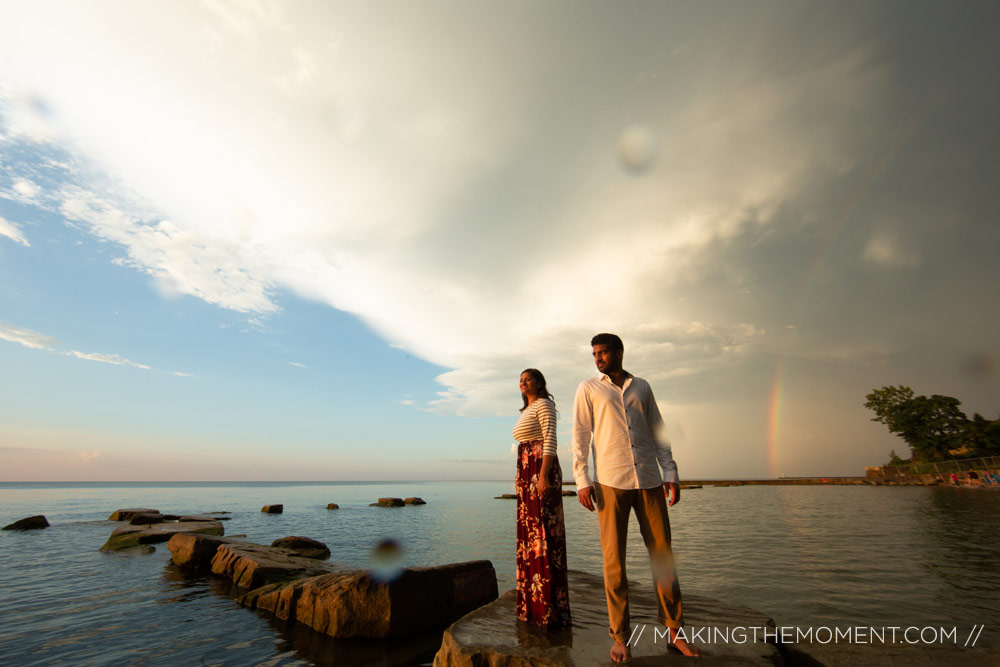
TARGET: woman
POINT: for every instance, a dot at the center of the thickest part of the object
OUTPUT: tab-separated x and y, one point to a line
542	589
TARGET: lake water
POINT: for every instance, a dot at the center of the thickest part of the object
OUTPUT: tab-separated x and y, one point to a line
805	555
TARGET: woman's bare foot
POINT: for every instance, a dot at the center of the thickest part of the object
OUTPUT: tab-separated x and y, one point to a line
681	644
620	652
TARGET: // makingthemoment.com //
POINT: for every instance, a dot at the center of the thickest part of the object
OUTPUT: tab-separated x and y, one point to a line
791	634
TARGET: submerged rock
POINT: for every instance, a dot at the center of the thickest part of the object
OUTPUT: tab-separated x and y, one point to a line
333	506
492	635
204	517
29	523
506	496
414	501
273	509
127	537
303	546
145	519
388	502
353	604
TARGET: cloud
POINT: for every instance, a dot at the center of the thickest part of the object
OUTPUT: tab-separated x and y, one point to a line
26	337
472	209
39	341
25	189
183	375
113	359
13	232
296	364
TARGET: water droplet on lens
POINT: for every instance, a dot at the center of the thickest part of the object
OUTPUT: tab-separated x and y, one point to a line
387	560
637	148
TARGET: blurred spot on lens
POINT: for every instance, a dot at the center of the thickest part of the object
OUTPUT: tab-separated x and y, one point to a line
979	366
637	149
387	560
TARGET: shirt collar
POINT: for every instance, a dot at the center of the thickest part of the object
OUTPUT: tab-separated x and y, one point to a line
604	376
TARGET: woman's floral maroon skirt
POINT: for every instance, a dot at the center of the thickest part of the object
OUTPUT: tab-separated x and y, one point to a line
542	588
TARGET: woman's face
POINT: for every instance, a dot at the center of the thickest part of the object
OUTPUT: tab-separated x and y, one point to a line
529	385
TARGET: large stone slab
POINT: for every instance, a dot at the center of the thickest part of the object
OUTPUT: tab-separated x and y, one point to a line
130	537
493	636
353	604
251	565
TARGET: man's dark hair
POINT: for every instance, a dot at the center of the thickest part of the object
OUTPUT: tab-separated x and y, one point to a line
612	341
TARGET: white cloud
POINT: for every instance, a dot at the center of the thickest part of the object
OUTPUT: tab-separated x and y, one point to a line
183	375
25	189
13	232
470	208
39	341
107	359
26	337
296	364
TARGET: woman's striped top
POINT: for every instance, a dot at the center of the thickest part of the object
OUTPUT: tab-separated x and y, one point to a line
538	422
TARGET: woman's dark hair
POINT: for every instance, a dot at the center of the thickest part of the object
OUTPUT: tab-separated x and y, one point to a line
543	391
612	341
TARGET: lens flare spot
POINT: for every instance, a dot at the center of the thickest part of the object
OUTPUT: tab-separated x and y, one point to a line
637	149
387	560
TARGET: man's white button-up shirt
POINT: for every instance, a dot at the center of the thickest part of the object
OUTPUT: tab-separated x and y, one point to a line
626	430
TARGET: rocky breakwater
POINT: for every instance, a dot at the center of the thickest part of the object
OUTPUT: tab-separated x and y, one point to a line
338	602
148	526
355	604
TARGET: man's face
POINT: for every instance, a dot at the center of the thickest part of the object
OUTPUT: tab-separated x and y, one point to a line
607	360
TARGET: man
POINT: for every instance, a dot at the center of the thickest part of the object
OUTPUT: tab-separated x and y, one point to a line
617	410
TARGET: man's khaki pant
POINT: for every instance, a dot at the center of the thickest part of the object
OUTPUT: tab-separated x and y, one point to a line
613	508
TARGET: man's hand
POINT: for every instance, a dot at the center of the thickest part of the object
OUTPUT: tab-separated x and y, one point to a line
585	498
673	491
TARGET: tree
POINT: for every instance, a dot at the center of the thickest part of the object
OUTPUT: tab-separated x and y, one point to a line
983	436
894	459
930	426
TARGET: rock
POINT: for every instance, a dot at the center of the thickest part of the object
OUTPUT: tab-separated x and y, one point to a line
388	502
333	506
125	515
506	496
569	493
29	523
145	519
251	565
203	517
691	486
272	509
414	501
126	537
492	635
353	604
303	546
195	551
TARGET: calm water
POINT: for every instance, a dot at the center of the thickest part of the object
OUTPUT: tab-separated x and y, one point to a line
807	556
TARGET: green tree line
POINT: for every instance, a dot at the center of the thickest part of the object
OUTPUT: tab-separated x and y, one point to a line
934	427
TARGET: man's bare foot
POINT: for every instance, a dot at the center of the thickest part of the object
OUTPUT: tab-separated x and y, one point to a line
681	644
620	652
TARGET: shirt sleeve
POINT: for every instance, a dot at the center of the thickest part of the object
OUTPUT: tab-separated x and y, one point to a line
546	415
664	455
583	430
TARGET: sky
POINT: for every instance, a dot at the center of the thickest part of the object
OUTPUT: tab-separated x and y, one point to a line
320	240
